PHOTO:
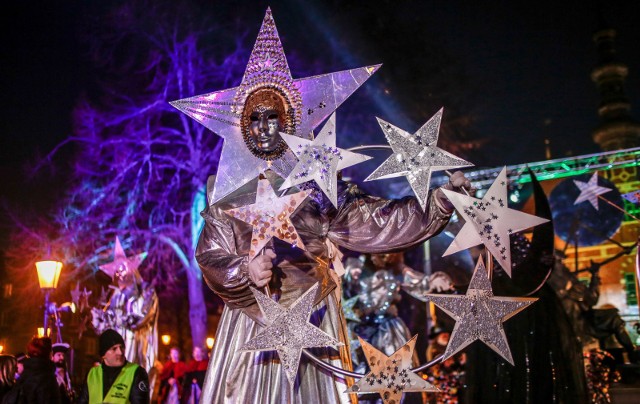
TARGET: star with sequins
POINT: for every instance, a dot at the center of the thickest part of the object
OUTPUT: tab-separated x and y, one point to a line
121	263
390	376
633	196
313	99
590	191
347	309
320	160
479	315
416	156
489	221
270	217
288	331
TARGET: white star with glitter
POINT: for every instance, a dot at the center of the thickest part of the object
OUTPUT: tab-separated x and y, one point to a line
288	331
489	221
416	156
479	315
313	99
589	191
270	217
390	376
320	160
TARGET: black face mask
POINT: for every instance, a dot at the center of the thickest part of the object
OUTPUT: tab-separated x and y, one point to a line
62	364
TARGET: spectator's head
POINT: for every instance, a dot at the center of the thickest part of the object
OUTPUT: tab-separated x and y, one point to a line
39	347
174	354
8	365
198	353
112	348
20	357
59	350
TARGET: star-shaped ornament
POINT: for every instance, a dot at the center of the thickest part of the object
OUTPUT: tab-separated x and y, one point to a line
84	299
122	264
489	221
288	331
479	315
311	99
416	156
320	160
390	376
76	295
347	309
270	217
589	191
633	197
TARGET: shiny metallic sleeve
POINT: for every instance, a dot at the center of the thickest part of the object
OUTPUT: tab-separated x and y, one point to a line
373	225
224	270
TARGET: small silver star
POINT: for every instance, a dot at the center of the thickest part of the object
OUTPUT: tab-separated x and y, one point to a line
589	191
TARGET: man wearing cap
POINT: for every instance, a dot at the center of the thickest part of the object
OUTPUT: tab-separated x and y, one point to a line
59	350
115	381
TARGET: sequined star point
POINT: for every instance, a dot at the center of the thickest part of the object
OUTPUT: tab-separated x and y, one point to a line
320	160
479	315
288	331
490	221
390	376
589	191
416	156
347	309
270	217
313	99
122	263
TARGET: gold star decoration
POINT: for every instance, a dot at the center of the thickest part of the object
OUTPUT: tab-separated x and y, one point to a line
390	376
270	217
288	331
479	315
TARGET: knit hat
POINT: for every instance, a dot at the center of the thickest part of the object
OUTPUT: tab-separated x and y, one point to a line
108	339
39	347
60	347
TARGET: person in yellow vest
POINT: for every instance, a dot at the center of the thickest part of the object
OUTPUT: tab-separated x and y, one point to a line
115	381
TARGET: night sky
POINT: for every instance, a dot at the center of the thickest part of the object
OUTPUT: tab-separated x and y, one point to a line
520	69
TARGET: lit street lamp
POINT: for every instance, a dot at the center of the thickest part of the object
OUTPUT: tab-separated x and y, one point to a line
48	276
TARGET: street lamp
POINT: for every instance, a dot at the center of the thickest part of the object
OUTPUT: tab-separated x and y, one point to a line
210	342
48	276
166	339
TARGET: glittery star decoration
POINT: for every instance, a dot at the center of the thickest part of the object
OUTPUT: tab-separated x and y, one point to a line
489	221
288	331
390	376
479	315
270	217
589	191
347	309
633	197
416	156
320	160
122	263
313	99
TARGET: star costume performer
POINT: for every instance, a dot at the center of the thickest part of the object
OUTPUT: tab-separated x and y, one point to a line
250	118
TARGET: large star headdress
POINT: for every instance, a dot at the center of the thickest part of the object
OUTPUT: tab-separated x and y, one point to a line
479	315
308	102
489	221
320	160
416	156
288	331
589	191
270	217
122	264
390	376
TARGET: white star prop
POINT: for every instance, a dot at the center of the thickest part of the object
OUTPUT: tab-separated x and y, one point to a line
121	263
288	331
416	156
490	221
390	376
479	315
589	191
320	160
270	217
312	98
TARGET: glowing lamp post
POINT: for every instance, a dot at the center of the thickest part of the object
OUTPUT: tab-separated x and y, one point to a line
48	276
210	342
166	339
